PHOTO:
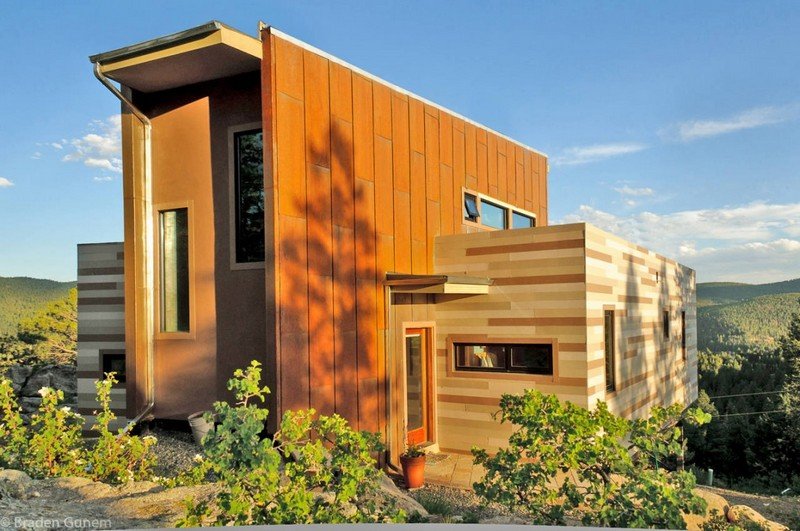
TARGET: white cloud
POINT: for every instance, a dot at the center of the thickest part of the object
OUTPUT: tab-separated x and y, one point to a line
5	183
756	242
37	155
749	119
57	145
634	192
100	148
103	179
586	154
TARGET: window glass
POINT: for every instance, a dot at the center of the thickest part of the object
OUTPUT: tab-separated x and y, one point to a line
174	240
519	220
481	356
532	359
249	196
114	363
471	207
665	324
609	350
493	216
536	359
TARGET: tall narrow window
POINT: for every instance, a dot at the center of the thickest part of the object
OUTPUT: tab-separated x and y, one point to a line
683	335
611	383
174	243
665	323
249	196
471	208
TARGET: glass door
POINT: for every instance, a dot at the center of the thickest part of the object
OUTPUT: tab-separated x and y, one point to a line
417	385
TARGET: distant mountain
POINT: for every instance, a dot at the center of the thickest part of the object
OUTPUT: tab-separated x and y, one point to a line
710	293
21	297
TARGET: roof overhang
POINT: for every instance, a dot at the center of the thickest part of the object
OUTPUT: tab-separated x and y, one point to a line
207	52
437	284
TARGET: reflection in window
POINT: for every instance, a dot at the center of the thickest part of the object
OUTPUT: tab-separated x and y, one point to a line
519	221
249	196
525	358
471	208
174	240
493	216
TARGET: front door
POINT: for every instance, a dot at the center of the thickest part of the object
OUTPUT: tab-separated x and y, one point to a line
418	385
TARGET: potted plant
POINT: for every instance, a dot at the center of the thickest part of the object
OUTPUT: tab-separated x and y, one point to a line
413	463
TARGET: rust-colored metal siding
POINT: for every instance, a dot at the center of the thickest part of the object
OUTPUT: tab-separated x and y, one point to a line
364	177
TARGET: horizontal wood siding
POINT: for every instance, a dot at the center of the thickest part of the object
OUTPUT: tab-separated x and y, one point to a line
101	323
639	285
366	177
539	294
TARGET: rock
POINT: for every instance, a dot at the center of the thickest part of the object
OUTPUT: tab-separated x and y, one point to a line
19	374
37	380
390	491
30	404
15	483
63	377
503	520
742	513
166	505
694	522
140	487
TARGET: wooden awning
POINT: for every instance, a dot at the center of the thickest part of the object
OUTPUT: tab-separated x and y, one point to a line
443	284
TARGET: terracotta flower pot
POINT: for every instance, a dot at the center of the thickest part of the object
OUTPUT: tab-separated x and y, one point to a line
413	470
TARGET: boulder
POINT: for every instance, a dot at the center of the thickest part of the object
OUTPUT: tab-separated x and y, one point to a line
64	377
714	502
15	483
30	404
389	491
739	514
37	380
19	374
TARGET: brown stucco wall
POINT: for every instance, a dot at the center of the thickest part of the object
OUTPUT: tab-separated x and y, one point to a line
190	168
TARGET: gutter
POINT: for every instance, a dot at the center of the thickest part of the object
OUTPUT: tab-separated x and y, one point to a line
147	238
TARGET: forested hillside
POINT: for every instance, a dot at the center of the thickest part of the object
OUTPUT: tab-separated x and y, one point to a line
755	322
21	297
709	293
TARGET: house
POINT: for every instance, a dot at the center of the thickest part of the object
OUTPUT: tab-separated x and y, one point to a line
383	257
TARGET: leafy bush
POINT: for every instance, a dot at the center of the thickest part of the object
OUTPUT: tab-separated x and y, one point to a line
117	457
619	484
314	470
52	444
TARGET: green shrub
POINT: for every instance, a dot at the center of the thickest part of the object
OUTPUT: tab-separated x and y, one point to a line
620	484
117	457
314	470
52	444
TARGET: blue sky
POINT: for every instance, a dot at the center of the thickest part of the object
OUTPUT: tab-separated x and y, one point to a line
674	124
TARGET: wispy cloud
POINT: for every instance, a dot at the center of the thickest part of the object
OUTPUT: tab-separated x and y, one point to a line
37	155
100	148
755	242
630	196
103	179
749	119
5	183
586	154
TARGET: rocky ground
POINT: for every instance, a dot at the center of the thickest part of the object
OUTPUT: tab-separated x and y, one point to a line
77	502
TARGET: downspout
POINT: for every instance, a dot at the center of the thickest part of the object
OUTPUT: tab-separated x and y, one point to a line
148	243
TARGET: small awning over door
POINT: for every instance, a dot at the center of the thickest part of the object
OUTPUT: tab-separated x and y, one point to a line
442	284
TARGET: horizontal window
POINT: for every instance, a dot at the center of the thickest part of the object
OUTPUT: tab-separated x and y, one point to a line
493	215
519	221
523	358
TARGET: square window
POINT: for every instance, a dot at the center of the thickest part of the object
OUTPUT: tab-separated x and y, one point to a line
114	363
